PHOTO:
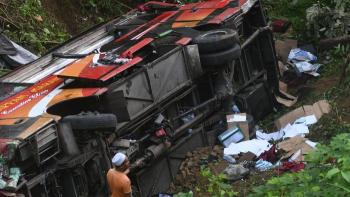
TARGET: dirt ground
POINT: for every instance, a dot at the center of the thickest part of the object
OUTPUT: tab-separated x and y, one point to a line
67	12
189	177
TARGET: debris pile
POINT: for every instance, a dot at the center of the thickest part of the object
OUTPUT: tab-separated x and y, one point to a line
297	63
285	148
304	61
246	155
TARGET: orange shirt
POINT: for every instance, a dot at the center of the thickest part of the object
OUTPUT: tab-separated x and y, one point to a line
119	183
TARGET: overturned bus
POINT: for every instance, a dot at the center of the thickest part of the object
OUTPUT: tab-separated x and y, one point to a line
154	83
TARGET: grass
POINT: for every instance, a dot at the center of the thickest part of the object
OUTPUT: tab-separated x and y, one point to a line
295	12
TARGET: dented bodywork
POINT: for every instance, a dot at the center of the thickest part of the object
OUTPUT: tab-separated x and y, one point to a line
144	84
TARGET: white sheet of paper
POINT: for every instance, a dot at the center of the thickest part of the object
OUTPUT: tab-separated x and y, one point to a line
294	130
304	66
307	120
255	146
238	118
295	156
313	73
311	143
269	136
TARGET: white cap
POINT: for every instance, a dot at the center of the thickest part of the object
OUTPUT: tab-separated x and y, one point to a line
118	159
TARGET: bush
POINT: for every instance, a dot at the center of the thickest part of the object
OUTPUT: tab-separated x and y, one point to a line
217	185
329	20
31	26
327	174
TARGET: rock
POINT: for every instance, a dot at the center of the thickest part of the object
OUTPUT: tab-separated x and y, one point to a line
190	164
217	149
214	154
236	172
189	154
178	179
182	166
188	172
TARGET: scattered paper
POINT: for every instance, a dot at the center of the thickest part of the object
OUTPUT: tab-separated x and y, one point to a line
269	136
318	109
295	156
263	165
315	74
237	118
303	61
255	146
301	55
306	120
290	130
306	67
295	130
310	143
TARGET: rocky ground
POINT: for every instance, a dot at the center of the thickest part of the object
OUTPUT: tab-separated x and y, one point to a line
190	178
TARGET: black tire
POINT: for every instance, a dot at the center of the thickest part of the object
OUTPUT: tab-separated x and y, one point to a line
216	40
220	58
92	121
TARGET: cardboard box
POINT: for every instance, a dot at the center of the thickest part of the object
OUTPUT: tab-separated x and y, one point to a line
283	86
295	147
287	102
232	135
238	120
318	109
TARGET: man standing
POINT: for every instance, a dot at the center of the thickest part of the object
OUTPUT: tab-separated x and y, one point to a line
118	181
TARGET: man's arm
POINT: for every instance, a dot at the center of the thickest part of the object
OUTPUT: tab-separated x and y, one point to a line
127	195
127	188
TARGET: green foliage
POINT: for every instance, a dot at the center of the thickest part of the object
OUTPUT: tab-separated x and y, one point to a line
105	8
183	194
342	54
322	18
327	174
294	11
217	185
33	27
328	20
3	71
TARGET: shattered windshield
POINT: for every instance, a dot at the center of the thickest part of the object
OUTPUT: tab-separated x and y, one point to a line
7	90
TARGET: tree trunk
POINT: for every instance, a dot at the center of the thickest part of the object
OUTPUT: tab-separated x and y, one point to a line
332	42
